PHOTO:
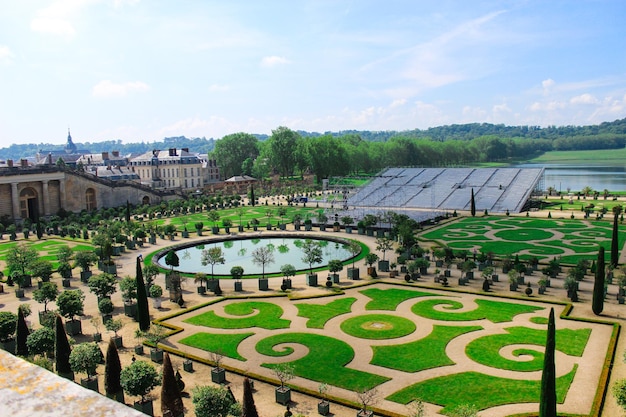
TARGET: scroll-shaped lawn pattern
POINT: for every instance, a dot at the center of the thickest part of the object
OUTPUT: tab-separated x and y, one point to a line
325	362
419	355
224	344
494	311
483	391
390	298
378	326
486	350
319	314
267	317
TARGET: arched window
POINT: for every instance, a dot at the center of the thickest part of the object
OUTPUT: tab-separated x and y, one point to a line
29	204
145	201
90	199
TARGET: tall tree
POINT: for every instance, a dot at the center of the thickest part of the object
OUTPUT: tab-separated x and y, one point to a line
171	399
472	204
615	242
547	401
597	304
248	409
21	334
112	371
252	197
62	350
143	314
232	150
283	145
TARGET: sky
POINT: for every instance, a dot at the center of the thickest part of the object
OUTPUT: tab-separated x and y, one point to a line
142	70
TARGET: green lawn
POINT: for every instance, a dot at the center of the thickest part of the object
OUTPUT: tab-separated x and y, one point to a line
258	314
225	344
319	314
494	311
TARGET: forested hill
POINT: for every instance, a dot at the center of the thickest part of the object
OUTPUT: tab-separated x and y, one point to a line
603	136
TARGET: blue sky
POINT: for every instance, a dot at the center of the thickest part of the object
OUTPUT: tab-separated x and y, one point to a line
143	70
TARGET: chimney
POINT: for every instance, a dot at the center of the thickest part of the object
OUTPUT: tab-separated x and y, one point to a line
185	150
172	151
10	163
23	163
116	154
105	156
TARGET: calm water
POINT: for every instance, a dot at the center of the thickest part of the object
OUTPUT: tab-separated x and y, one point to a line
239	253
562	177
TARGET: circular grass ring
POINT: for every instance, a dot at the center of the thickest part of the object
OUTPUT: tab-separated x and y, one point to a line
378	326
524	234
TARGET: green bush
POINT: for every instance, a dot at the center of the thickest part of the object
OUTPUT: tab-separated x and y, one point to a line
139	378
85	357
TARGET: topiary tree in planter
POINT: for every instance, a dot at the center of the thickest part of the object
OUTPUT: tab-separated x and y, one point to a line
215	401
85	260
153	336
85	358
288	271
237	272
62	351
19	259
284	373
370	260
8	324
71	304
263	256
335	266
41	342
156	291
312	255
102	285
354	248
138	379
115	326
112	370
367	398
47	293
383	244
212	256
42	269
128	288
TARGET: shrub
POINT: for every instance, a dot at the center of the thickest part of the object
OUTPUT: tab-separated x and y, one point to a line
41	341
8	324
139	378
85	357
105	306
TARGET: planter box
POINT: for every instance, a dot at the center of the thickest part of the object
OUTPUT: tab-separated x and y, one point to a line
117	340
335	278
130	309
240	228
349	229
447	273
185	233
363	413
8	346
311	280
138	349
513	287
360	231
238	286
383	266
353	273
27	281
73	327
90	383
97	337
110	269
495	278
469	275
283	395
369	232
118	396
65	282
263	284
145	408
323	408
215	230
19	292
156	355
403	269
542	290
201	290
322	227
156	303
188	365
287	283
520	280
152	240
211	284
218	375
85	275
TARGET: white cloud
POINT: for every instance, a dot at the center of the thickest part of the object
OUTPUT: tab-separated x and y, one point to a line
120	3
272	61
6	56
547	84
219	88
56	19
107	88
398	103
584	99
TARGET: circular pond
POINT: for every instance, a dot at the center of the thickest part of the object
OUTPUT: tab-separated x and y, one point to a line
239	252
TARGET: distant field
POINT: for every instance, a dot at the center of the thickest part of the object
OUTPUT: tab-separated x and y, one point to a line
602	156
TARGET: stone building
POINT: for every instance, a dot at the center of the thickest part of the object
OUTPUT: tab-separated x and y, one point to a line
170	169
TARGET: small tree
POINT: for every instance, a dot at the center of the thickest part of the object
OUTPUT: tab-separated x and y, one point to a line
354	248
102	285
367	398
85	260
263	256
139	378
42	269
155	334
312	253
150	272
248	409
212	401
62	350
236	272
48	292
212	256
284	373
41	341
85	357
335	265
71	303
171	259
171	399
19	258
128	288
384	244
114	325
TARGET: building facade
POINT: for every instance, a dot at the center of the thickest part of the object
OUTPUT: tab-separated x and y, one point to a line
169	170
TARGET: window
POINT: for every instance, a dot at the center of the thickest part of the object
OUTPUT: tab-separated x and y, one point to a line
90	199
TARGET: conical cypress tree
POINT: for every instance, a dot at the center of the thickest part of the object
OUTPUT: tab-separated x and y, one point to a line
21	335
143	315
62	350
112	372
248	409
473	204
547	402
615	243
171	400
597	304
252	202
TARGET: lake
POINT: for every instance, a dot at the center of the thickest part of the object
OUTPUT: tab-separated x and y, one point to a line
577	177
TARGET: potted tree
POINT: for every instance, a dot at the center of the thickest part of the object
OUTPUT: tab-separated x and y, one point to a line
335	266
255	224
138	379
543	283
212	256
288	271
284	373
96	322
42	269
8	324
263	256
383	244
218	374
237	272
85	260
154	335
139	336
308	225
105	306
214	217
297	221
312	255
102	285
321	220
19	259
85	357
70	304
114	325
200	277
347	223
367	398
422	265
370	260
227	223
354	248
47	293
513	279
323	407
199	226
156	291
128	288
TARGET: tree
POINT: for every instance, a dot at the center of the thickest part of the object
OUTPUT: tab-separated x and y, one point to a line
597	304
171	259
70	303
41	341
102	285
252	197
171	399
48	292
21	335
472	204
150	272
248	408
143	313
312	253
354	248
615	242
619	392
41	268
19	258
547	401
85	357
128	288
212	256
283	145
212	401
62	350
384	244
139	378
232	150
8	324
263	256
112	371
85	259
